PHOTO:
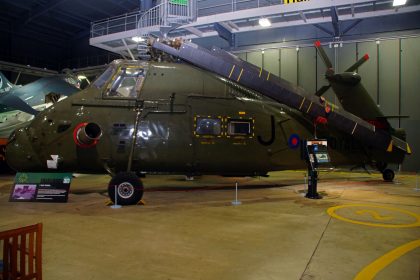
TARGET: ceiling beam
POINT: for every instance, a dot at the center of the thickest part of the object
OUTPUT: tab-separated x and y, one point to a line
273	10
351	26
49	29
66	20
233	25
335	21
225	33
302	15
194	31
360	15
118	4
80	18
82	34
40	10
95	8
33	36
326	30
226	26
18	4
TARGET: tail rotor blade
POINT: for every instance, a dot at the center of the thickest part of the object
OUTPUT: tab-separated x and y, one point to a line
323	54
358	63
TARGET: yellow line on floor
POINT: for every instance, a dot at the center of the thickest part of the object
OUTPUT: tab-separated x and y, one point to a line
380	263
332	212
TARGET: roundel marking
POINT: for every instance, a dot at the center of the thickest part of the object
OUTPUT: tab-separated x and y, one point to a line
294	141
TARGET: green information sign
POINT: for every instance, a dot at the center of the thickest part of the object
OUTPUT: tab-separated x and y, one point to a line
179	2
41	187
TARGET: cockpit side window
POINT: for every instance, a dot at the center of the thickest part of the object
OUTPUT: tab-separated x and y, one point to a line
126	83
102	79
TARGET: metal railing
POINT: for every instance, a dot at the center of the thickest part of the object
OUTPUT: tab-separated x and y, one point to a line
115	24
172	12
167	13
212	7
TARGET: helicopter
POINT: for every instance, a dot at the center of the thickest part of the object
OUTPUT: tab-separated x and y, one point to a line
191	111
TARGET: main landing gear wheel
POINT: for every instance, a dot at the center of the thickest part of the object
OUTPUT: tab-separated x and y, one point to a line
129	188
388	175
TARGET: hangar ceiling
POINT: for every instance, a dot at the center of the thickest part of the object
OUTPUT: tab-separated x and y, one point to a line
44	33
53	33
55	21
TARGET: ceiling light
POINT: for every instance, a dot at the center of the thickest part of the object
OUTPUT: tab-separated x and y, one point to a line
399	2
264	22
137	39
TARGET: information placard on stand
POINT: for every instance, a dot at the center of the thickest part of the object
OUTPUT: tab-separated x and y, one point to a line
41	187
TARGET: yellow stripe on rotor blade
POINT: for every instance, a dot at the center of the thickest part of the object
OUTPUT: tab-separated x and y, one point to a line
301	104
354	128
389	147
408	149
309	108
231	71
242	70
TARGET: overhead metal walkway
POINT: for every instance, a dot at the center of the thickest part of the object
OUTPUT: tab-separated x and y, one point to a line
250	76
194	19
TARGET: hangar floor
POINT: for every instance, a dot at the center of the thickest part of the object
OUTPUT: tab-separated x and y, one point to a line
190	230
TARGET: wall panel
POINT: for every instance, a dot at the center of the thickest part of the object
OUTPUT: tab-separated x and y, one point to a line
272	61
241	56
368	71
389	78
307	69
410	99
321	69
288	62
255	58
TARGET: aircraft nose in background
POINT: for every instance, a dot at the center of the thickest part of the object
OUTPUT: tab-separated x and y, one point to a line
20	154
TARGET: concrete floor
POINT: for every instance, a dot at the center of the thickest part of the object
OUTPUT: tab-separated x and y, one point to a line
189	230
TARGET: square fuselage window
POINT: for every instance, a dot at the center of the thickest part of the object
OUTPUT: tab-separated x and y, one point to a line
208	126
239	128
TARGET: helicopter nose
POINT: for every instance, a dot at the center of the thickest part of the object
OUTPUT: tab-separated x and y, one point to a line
20	154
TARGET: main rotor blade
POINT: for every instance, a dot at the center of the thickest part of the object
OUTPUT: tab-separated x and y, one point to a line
323	54
322	90
358	63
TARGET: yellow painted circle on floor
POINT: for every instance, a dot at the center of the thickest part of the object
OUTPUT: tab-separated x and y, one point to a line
375	212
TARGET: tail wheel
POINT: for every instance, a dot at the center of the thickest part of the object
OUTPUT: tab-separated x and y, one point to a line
388	175
128	186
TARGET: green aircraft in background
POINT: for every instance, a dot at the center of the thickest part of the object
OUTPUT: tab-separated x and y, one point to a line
193	111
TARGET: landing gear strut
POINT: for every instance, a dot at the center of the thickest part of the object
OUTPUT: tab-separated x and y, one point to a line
129	188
